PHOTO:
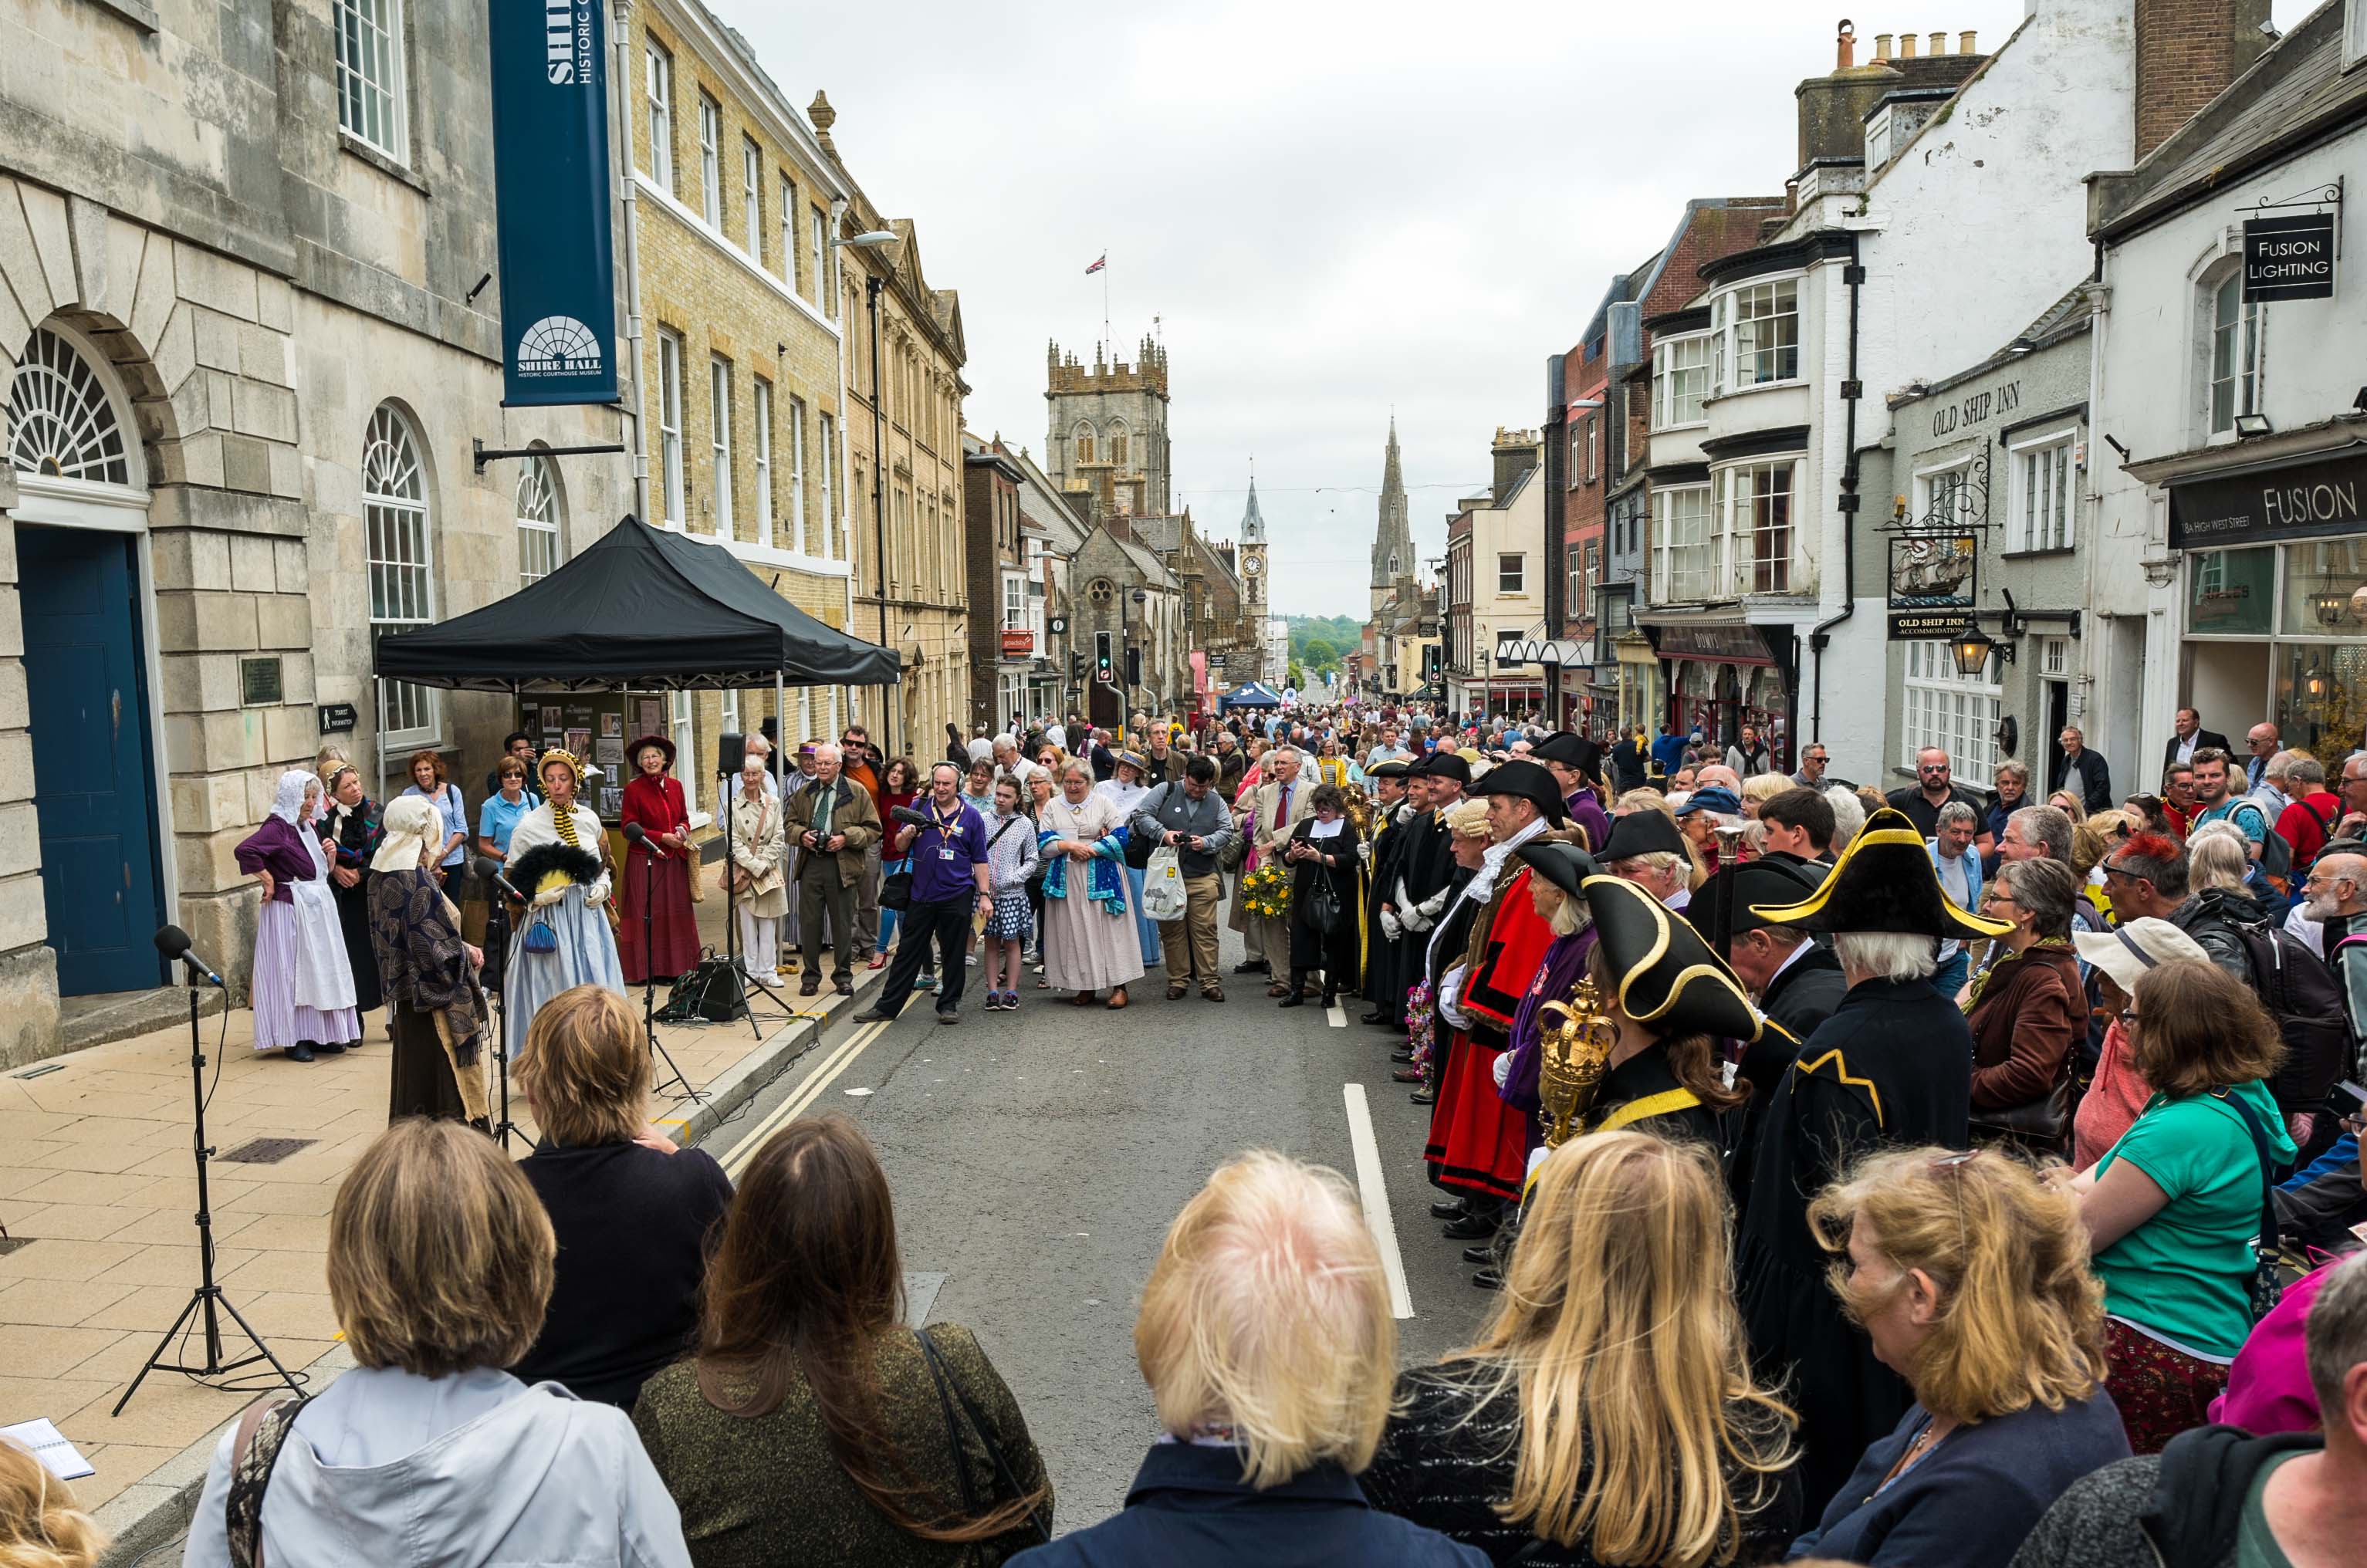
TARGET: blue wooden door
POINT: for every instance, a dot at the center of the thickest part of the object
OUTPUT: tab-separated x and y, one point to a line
93	768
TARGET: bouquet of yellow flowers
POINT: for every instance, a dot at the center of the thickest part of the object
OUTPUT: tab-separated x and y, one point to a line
1265	892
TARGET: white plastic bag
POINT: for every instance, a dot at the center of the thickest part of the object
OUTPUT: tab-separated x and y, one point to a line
1162	884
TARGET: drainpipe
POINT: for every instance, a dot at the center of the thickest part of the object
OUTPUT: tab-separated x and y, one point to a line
1852	275
620	76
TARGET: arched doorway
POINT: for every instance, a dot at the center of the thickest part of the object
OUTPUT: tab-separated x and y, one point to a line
80	524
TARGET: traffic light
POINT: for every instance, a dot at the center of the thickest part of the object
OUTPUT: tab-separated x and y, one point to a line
1076	667
1429	660
1134	667
1101	669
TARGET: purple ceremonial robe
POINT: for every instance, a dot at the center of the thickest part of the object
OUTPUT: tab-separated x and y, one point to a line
1588	813
279	848
1564	967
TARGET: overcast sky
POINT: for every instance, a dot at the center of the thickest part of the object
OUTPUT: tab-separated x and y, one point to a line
1334	209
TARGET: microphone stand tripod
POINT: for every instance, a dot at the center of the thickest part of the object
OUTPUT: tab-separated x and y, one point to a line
731	958
649	968
498	919
208	1296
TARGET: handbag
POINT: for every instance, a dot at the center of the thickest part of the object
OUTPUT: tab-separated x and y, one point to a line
1033	1530
1323	910
262	1432
896	890
1138	848
2266	1288
2041	1125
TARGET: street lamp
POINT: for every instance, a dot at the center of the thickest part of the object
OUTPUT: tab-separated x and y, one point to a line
1971	647
877	240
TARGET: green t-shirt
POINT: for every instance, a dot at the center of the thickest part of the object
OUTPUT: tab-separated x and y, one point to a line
2183	1273
2256	1544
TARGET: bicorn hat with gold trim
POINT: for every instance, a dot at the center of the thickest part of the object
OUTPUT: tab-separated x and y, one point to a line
1664	974
1884	882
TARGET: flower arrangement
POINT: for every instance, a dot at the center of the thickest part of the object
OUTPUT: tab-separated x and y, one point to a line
1265	892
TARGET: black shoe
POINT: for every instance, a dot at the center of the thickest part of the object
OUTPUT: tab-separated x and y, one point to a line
1373	1018
1453	1209
1254	966
1484	1254
809	985
1394	1025
1404	1054
874	1015
298	1052
1470	1228
1295	999
945	1017
845	985
1331	1001
1424	1097
1489	1279
327	1049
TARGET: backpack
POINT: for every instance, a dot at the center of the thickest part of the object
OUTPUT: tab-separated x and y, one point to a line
2303	995
2274	869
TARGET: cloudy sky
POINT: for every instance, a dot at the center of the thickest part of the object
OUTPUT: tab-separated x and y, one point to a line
1334	209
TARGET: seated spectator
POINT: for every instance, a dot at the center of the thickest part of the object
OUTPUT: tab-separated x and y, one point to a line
41	1526
2171	1208
812	1428
1266	1339
1971	1278
635	1217
439	1268
2220	1498
2118	1093
1607	1413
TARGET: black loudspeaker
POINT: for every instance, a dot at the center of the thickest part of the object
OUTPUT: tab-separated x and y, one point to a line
731	754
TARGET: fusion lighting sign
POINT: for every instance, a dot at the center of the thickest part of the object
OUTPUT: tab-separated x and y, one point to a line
551	190
2289	258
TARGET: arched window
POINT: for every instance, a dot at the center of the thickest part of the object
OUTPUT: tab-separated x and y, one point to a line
1084	437
401	571
62	424
1118	444
537	520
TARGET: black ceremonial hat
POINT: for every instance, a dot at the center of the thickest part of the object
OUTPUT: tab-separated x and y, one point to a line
1666	975
1642	833
1528	780
1560	863
1884	882
1723	908
1445	764
1572	750
1395	768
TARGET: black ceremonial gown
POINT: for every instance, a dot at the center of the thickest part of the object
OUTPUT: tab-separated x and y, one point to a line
1893	1064
1389	969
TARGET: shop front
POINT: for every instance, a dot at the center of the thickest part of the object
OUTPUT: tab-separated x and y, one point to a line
1721	676
2275	599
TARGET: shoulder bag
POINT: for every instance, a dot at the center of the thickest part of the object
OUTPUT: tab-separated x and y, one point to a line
1036	1527
2265	1286
1323	912
1137	847
262	1432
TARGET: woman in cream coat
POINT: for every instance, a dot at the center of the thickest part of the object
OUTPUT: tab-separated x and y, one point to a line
761	894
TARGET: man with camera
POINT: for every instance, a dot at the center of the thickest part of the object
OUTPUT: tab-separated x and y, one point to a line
832	822
1191	818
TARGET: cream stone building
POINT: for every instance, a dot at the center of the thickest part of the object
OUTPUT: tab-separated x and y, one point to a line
743	344
247	352
914	333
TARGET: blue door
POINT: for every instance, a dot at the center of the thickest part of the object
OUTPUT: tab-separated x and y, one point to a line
93	779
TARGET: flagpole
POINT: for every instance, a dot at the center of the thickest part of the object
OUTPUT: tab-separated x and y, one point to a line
1106	306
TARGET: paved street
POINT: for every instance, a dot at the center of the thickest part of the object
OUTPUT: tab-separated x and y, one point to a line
1037	1156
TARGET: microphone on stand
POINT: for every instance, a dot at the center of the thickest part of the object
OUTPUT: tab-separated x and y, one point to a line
488	868
636	834
174	944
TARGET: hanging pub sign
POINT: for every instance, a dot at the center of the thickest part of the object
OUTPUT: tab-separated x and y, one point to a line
1932	585
551	191
2288	256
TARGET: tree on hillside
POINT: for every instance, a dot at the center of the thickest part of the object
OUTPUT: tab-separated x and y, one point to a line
1319	651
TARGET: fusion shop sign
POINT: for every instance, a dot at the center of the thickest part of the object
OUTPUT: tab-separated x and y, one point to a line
2289	258
551	191
2300	501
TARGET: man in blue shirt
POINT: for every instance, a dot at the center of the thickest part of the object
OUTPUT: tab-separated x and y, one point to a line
949	886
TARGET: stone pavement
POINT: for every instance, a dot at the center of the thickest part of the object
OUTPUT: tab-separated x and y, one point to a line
97	1195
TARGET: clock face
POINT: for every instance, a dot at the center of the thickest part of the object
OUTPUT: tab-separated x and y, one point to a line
1253	564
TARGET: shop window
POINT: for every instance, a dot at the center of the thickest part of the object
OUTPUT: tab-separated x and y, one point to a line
1957	713
2321	695
2325	589
2231	592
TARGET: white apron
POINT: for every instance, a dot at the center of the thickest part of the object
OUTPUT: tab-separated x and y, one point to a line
324	979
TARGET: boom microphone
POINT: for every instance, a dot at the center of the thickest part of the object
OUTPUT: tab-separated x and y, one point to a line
174	944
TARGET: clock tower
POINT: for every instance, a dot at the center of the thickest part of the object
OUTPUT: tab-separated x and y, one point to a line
1254	565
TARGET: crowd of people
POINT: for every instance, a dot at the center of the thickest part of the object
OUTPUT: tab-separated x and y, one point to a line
1939	1176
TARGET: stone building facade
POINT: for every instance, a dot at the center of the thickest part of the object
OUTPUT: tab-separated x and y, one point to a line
1107	426
1111	567
740	354
246	361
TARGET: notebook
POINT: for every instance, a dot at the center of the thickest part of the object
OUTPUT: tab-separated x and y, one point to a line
50	1446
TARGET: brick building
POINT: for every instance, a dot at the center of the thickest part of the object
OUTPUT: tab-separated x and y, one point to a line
1004	635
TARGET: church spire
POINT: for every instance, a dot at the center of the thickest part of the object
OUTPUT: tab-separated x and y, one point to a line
1392	540
1252	520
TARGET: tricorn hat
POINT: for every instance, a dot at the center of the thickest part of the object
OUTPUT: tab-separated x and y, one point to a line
1395	768
1528	780
1666	975
1884	882
1642	832
1560	863
1572	750
1447	765
1723	908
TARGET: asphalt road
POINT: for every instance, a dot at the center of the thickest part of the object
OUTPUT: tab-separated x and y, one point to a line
1037	1156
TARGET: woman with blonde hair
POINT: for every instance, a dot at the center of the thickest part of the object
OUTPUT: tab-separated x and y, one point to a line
41	1525
1607	1413
1970	1275
1761	788
439	1268
1266	1337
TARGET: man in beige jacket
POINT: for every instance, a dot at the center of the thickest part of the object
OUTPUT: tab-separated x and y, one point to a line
832	822
1275	806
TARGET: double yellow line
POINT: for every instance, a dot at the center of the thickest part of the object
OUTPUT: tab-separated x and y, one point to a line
801	1097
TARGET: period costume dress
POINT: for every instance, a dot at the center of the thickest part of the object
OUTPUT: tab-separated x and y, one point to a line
303	991
1126	797
657	881
435	1011
349	835
1089	911
562	939
1893	1064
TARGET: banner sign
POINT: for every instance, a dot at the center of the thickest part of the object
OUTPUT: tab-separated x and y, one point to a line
2289	258
1018	644
2320	497
551	191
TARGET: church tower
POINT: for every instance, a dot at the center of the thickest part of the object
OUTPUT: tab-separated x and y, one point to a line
1107	441
1253	567
1393	540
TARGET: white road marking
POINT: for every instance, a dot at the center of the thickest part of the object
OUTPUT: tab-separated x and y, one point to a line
1373	1190
1338	1015
805	1094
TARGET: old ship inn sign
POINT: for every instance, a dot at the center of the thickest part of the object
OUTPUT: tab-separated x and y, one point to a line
2291	255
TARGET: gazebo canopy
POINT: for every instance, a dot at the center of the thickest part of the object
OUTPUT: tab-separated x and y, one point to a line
1251	695
644	609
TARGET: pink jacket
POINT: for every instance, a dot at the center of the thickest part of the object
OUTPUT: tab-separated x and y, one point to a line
2268	1386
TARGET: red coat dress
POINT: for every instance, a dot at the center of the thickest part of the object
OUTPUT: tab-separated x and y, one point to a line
661	881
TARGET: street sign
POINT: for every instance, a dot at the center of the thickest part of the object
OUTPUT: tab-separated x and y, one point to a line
1057	626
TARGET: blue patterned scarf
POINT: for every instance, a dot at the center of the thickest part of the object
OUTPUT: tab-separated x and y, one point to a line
1104	881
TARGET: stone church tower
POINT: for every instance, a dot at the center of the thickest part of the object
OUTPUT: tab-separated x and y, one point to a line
1106	439
1393	559
1252	567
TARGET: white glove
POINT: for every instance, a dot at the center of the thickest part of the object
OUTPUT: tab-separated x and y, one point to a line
598	892
547	897
1504	1066
1389	926
1365	852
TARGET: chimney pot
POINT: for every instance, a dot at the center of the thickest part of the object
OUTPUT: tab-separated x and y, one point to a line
1882	45
1906	46
1965	42
1845	46
1939	45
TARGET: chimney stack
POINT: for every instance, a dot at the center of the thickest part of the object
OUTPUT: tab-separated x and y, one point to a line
1845	47
1965	43
1906	46
2188	52
1882	45
1939	45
